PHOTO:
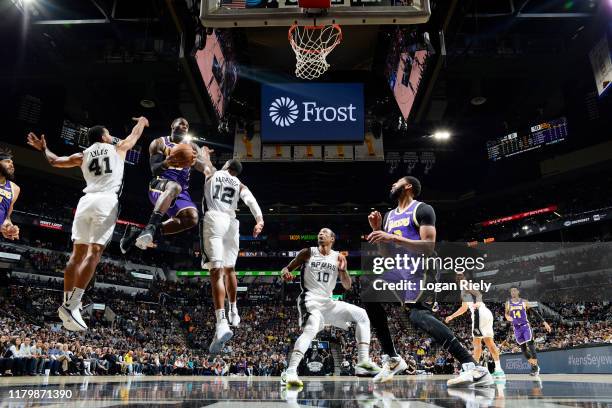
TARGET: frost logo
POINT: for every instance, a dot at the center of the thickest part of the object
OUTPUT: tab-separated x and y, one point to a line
283	111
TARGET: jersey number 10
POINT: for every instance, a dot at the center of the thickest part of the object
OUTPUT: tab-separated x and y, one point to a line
94	166
324	275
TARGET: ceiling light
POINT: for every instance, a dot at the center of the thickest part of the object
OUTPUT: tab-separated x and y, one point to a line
147	103
441	135
478	100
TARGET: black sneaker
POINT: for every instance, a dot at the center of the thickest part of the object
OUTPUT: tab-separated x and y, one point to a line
129	238
535	371
146	237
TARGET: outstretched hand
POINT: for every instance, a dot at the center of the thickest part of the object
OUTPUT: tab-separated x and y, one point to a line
375	220
380	236
36	142
286	275
142	119
10	231
207	150
257	229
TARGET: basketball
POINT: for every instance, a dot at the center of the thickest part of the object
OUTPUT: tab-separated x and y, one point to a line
183	154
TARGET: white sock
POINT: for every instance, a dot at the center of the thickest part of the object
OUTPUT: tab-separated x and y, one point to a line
363	352
234	307
220	313
497	365
67	295
294	361
75	298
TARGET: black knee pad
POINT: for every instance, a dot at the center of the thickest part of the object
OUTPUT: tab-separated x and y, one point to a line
532	349
526	351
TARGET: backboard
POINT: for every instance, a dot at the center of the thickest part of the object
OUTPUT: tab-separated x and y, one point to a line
262	13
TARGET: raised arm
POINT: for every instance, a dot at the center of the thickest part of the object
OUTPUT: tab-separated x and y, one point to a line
507	312
202	162
130	141
302	257
345	278
251	202
54	160
426	221
536	313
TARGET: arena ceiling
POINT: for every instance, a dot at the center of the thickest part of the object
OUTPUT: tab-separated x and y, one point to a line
93	61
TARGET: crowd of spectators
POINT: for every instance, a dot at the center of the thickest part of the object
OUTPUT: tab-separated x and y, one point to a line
150	336
50	262
166	328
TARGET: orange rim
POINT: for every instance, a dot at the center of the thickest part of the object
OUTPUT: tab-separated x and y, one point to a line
294	45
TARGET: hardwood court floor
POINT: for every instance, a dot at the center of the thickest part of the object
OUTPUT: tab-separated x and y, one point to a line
519	391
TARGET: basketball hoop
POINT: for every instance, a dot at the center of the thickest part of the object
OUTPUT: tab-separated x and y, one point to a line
311	45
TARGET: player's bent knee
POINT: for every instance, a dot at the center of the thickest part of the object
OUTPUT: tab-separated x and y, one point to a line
76	259
217	270
425	320
189	217
314	324
95	252
173	188
525	351
360	315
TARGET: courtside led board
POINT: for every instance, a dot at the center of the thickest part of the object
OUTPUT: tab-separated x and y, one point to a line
312	113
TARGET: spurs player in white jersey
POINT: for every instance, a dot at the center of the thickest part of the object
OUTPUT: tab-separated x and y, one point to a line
482	325
321	268
96	214
220	232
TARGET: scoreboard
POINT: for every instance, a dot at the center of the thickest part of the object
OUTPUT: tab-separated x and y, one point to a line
75	134
535	137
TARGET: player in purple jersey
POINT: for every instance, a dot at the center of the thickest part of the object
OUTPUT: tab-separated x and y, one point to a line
411	226
9	192
516	313
169	189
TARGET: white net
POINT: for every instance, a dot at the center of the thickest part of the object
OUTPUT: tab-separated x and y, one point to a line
311	45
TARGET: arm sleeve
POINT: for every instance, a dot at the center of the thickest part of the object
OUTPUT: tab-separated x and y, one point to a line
156	161
251	202
536	312
384	222
425	215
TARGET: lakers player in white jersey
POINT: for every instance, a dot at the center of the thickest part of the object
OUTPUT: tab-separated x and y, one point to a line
321	267
220	231
96	214
482	325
